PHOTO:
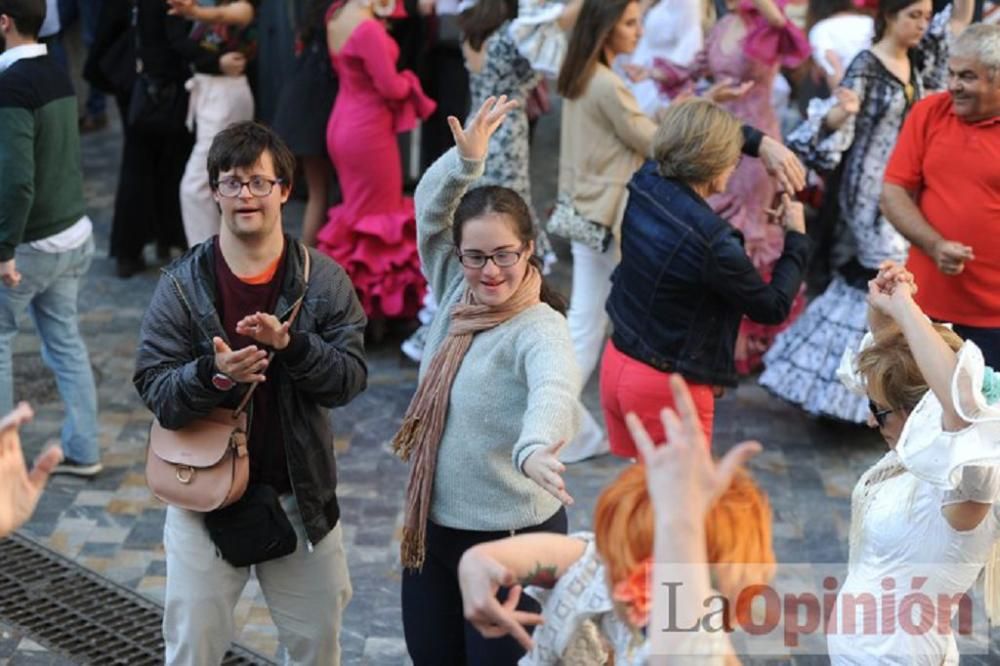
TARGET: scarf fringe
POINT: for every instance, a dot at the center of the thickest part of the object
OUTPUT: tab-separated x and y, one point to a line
405	440
412	550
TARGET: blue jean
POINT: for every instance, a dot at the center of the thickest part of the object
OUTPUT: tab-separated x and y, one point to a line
50	283
88	11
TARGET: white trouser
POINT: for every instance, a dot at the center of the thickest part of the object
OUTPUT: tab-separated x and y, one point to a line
306	593
588	324
217	102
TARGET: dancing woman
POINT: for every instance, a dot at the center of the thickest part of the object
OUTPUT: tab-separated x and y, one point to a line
926	509
372	233
497	396
852	135
601	594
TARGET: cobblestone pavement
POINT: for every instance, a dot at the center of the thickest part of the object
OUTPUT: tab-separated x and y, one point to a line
112	525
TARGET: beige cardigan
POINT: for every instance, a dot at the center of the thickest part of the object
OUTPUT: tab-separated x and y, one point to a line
605	139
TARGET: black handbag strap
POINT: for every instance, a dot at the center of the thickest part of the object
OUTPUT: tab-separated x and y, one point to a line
291	319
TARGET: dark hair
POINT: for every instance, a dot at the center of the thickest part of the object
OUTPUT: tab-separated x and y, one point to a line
480	201
886	10
586	44
823	9
483	18
242	145
28	15
312	21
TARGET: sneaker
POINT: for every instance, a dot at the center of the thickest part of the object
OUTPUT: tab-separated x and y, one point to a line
70	466
413	346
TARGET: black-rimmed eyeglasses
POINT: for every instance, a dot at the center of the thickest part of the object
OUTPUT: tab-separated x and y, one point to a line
257	185
502	259
880	414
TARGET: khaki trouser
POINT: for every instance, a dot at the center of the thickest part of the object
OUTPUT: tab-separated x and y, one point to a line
216	103
306	593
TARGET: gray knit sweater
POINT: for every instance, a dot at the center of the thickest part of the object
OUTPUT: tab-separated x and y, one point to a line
515	392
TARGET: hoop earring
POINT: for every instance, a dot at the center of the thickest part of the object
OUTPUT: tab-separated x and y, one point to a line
386	10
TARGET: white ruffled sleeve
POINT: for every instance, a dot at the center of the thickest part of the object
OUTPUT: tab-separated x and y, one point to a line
940	457
538	36
817	146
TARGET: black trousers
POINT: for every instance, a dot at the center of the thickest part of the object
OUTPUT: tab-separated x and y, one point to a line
987	339
147	204
435	629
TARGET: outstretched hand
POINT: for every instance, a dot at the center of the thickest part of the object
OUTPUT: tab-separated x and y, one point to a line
782	165
683	480
473	141
543	467
480	577
19	488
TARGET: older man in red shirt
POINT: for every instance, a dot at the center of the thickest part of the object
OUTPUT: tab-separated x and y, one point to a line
942	192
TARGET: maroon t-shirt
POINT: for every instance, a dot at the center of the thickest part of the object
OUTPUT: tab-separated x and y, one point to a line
237	299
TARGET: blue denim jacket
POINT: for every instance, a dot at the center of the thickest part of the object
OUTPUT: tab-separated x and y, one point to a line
685	281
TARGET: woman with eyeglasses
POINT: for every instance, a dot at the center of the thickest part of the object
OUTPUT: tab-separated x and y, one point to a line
685	280
925	511
497	396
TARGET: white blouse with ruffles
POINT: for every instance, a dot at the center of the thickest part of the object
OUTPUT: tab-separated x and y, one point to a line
904	536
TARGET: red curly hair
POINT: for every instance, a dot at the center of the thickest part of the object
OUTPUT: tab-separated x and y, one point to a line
737	533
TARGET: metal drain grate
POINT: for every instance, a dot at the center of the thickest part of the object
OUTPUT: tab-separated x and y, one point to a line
74	611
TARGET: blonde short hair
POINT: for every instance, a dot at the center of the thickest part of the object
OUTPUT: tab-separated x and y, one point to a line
696	141
890	372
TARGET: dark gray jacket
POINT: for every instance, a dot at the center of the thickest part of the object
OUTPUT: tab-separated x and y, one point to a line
322	367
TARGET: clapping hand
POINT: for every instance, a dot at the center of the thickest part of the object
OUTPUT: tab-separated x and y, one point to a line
683	480
266	329
479	578
19	488
543	467
473	141
890	294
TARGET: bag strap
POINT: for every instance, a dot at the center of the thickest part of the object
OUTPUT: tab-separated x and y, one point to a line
291	319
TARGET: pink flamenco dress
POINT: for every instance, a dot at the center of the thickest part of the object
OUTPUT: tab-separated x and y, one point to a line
372	232
743	46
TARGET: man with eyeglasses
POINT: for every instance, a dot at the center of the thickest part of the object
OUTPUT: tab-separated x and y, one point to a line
217	324
46	239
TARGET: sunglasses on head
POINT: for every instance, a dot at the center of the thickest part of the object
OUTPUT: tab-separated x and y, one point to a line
879	414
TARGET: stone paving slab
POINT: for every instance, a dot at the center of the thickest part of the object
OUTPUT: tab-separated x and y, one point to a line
113	526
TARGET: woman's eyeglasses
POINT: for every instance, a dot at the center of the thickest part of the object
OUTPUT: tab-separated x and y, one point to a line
503	259
880	414
258	186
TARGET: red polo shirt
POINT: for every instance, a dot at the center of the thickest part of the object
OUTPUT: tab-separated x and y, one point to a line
954	167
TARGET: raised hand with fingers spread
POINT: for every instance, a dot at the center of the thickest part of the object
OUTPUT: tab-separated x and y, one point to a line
473	141
681	474
20	489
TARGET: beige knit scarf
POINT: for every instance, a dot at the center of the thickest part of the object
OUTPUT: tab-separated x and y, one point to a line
423	425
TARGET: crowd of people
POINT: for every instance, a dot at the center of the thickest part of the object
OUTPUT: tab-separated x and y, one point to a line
692	222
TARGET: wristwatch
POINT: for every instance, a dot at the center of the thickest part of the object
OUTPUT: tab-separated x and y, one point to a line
222	381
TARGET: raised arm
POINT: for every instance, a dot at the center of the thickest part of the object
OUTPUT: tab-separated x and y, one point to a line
729	272
891	294
442	186
239	13
961	16
683	484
